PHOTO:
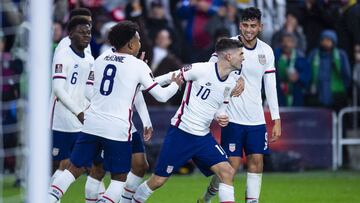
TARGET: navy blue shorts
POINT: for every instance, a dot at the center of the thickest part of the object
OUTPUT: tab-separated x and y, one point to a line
236	137
63	143
116	154
180	146
137	143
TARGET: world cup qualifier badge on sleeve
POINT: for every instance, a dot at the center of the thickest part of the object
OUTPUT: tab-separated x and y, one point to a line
262	59
58	68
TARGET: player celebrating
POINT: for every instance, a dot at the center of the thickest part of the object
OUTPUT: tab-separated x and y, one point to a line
208	87
247	129
108	123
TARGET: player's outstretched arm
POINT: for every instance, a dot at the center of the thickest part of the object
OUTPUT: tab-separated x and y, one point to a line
164	94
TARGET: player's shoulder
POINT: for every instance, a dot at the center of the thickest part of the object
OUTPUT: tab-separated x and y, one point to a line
265	47
63	53
64	42
237	37
203	65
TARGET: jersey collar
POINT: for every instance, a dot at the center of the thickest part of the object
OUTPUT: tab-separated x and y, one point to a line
218	75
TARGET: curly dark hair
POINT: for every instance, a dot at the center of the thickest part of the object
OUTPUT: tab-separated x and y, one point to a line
75	21
122	33
79	12
251	13
226	44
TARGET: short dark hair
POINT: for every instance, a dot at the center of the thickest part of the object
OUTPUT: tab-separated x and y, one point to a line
251	13
79	12
122	33
75	21
226	44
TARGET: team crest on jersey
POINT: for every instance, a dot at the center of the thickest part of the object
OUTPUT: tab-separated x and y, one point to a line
55	151
262	59
208	84
187	67
232	147
58	68
91	75
76	66
169	169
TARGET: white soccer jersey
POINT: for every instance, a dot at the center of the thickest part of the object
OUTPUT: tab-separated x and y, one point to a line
204	94
247	109
65	42
118	78
72	76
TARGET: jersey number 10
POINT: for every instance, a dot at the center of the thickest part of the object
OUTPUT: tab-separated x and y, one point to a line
108	80
203	94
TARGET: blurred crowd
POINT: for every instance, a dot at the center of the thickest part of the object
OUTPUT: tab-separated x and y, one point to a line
316	42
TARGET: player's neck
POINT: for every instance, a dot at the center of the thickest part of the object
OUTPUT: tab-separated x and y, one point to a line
249	44
224	69
78	51
124	50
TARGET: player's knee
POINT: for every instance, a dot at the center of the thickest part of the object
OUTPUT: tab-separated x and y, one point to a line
97	172
255	166
140	169
226	174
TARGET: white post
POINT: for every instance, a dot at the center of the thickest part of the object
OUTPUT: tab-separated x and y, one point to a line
39	88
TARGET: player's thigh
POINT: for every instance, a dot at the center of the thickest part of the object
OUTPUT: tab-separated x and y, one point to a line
256	140
232	139
209	154
117	156
63	143
86	148
177	149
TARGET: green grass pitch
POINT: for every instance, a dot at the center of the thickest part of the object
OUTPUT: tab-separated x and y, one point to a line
304	187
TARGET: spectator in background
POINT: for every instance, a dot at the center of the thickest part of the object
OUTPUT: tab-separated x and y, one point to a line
349	29
331	74
197	14
356	75
293	72
58	34
163	61
315	17
226	18
291	26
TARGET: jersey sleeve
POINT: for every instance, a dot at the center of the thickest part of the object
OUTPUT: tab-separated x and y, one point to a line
148	81
270	88
192	72
59	66
270	66
59	80
142	110
213	58
89	89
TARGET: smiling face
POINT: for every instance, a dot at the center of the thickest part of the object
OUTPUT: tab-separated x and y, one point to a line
250	29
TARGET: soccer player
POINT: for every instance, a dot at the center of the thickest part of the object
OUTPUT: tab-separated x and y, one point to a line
208	88
72	85
108	123
65	42
246	130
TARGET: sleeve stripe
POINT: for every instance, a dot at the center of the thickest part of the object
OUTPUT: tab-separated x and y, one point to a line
214	54
270	71
59	77
90	83
152	86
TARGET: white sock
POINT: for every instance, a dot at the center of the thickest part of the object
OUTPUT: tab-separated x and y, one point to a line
113	192
212	189
55	175
102	189
91	189
60	185
253	187
226	193
142	193
132	183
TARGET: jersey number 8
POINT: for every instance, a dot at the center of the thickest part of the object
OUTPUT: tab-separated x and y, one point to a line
108	80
